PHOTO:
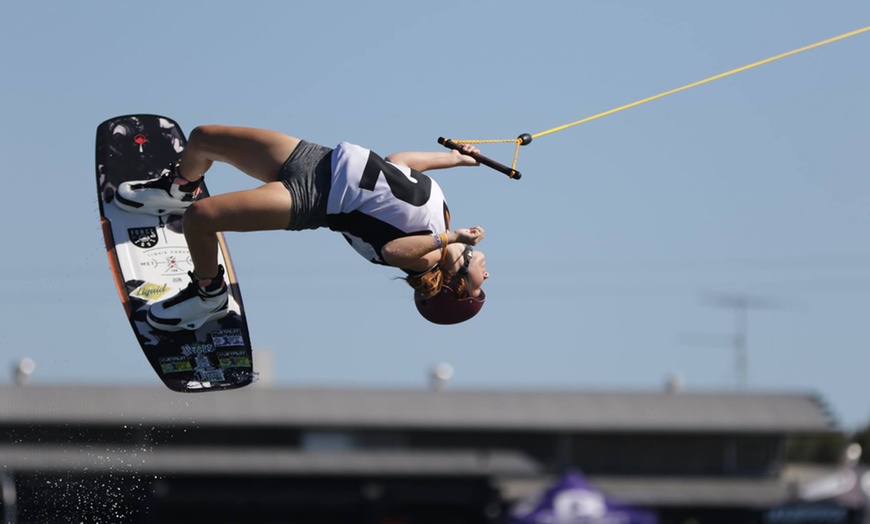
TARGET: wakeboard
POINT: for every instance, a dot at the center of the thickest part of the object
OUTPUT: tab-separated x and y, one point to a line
150	261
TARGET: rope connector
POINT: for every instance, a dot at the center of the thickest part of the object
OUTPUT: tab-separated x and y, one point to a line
524	139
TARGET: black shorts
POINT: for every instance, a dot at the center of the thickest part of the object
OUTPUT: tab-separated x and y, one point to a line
307	174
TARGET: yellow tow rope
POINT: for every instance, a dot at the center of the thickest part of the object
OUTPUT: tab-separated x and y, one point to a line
526	138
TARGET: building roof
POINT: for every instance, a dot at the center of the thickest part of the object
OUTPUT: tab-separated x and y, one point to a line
247	461
694	491
582	411
670	491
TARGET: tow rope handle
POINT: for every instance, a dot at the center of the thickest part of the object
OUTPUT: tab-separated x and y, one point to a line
488	162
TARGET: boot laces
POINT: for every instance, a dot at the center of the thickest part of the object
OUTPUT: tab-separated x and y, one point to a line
164	182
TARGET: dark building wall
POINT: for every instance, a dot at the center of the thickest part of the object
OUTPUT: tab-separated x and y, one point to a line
625	454
601	453
662	454
48	498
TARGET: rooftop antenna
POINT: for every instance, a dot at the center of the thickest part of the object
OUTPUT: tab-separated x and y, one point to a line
741	304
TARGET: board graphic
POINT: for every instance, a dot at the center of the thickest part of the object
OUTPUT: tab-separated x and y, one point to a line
150	261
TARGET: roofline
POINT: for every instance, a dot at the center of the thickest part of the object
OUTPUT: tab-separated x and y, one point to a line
627	412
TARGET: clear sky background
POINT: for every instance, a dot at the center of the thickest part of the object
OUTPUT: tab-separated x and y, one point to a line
607	258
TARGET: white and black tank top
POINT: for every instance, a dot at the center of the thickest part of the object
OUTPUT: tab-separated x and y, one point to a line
372	201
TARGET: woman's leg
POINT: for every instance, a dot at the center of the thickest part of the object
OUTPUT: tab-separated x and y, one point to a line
257	152
262	209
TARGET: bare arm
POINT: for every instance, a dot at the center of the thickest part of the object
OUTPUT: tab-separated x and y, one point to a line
425	161
420	252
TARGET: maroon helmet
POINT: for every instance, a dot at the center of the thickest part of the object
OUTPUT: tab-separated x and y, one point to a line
444	307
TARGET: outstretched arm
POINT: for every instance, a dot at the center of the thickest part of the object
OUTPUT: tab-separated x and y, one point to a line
425	161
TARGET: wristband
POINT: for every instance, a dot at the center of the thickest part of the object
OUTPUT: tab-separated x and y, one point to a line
442	240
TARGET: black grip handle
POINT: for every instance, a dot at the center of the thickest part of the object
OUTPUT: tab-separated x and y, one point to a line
488	162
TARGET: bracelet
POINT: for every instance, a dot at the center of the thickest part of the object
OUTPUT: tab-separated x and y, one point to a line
443	246
440	240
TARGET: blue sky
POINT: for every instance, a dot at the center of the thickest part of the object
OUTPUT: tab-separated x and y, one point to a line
606	258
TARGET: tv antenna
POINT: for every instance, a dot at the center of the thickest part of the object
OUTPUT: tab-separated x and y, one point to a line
740	304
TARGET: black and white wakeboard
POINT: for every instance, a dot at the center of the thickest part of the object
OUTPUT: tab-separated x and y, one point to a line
150	261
